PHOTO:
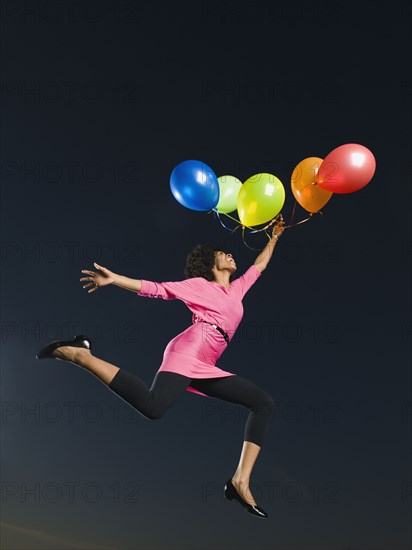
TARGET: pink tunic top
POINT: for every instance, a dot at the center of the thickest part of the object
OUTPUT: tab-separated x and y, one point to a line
194	351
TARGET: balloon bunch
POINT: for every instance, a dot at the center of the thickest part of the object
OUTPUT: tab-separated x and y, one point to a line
261	197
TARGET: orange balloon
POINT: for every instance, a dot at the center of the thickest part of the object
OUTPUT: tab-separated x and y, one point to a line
304	188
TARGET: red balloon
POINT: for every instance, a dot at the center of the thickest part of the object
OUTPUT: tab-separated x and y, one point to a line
346	169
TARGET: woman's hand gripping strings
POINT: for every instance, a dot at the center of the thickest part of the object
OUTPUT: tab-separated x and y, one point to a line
278	228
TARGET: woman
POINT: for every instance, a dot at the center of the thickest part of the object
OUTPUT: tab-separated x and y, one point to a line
189	360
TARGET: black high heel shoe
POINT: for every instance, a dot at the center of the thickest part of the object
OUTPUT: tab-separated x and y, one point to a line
231	493
80	341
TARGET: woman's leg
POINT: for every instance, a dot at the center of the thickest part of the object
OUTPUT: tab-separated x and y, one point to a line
154	402
151	403
236	389
83	358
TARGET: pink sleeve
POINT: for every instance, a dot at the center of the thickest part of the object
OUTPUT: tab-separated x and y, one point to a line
243	283
175	290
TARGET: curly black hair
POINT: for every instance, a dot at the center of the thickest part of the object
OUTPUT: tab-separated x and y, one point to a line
200	261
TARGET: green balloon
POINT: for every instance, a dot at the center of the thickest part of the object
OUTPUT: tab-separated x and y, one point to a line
260	199
229	190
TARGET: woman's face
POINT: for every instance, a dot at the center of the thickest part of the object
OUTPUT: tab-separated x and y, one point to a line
223	259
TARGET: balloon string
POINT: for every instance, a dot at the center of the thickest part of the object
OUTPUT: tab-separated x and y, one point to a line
232	231
244	242
306	219
269	224
240	224
293	211
216	213
278	216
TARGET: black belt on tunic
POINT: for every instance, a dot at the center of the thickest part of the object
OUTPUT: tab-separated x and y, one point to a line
222	332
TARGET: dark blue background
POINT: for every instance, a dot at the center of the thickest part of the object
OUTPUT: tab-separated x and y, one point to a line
99	102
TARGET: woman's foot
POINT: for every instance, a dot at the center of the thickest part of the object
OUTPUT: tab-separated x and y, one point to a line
243	489
70	353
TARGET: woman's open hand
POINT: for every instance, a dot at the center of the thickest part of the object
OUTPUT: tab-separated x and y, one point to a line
103	278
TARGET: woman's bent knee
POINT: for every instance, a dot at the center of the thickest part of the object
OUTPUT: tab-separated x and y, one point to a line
266	404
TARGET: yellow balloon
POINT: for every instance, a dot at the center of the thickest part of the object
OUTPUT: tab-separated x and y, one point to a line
304	188
229	187
260	199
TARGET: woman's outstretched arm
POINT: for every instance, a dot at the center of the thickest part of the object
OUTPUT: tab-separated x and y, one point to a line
181	290
106	277
135	285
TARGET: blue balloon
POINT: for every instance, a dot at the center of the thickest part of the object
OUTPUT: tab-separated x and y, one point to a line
194	185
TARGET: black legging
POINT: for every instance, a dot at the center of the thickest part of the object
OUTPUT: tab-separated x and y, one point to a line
168	386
